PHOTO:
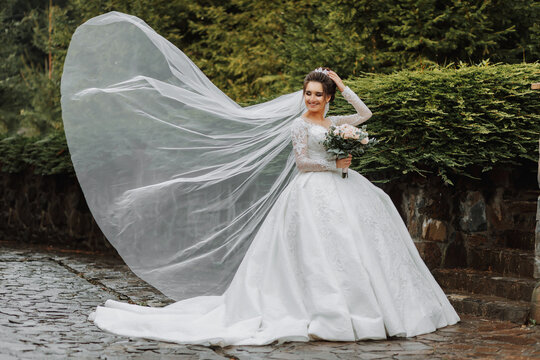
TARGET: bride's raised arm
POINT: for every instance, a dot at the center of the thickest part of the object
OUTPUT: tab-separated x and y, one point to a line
363	112
303	161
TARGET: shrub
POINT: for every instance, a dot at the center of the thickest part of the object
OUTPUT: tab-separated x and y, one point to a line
443	122
449	121
44	156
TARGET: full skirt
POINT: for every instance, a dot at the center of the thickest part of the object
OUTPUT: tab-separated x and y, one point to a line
333	260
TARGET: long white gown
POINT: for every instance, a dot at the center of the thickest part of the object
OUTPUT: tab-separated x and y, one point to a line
333	260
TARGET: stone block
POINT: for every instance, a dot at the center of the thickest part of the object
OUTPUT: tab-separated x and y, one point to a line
490	307
498	216
538	209
411	202
439	201
517	238
475	239
535	303
537	249
10	197
434	230
522	206
485	282
473	212
31	192
430	252
454	253
23	212
505	261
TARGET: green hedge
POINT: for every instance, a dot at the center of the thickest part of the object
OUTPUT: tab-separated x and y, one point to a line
443	122
450	121
44	156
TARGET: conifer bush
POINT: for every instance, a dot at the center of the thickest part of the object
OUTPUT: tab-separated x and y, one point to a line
44	156
447	121
443	122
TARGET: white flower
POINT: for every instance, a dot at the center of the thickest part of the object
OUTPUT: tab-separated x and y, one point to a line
347	131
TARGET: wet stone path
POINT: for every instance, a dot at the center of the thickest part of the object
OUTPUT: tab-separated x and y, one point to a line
46	296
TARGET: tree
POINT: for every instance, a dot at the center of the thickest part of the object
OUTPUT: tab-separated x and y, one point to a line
254	49
16	23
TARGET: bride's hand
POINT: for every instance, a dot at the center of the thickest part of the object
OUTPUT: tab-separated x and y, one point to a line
344	163
339	83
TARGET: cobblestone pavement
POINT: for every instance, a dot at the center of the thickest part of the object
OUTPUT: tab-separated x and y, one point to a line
46	296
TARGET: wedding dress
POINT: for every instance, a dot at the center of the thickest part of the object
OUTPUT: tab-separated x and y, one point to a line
333	260
319	256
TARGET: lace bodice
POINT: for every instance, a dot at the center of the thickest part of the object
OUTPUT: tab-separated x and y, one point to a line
307	137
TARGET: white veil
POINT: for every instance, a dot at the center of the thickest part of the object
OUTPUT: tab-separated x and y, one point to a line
178	176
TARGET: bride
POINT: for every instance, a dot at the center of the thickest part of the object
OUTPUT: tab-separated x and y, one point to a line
203	201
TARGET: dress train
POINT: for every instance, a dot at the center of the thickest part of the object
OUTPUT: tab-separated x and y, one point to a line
333	260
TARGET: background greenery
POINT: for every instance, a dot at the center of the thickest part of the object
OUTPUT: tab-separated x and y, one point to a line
450	121
412	61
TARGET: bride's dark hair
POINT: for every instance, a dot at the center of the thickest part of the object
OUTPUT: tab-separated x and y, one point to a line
329	86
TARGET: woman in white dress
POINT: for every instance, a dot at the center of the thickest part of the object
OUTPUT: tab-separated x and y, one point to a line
331	259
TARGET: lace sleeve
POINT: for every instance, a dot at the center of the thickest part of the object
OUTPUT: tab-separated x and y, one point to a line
303	161
363	113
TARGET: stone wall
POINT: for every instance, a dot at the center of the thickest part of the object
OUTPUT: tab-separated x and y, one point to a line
445	221
47	210
537	247
449	222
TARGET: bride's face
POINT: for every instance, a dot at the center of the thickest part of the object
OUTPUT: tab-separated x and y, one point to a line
314	97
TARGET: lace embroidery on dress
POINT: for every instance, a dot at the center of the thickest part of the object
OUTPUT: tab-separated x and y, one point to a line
312	157
387	241
363	112
327	220
292	239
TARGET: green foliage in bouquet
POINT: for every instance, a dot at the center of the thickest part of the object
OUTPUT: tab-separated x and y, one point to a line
449	120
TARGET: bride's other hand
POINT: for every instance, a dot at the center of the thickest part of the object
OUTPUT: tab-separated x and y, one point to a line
344	163
339	83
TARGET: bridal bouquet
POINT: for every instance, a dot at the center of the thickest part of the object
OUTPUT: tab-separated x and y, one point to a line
344	140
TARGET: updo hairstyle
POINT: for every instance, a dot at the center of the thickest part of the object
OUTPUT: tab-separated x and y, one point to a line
329	86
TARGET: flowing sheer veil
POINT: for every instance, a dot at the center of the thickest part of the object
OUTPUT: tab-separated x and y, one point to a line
178	176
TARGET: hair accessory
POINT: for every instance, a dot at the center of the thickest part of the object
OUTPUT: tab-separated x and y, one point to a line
324	71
